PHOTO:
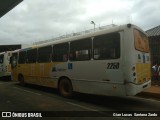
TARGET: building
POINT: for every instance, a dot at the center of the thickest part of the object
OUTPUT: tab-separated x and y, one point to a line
154	42
4	48
7	5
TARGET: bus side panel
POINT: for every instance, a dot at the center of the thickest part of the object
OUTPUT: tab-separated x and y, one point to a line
45	78
31	73
35	73
22	69
103	78
14	75
93	77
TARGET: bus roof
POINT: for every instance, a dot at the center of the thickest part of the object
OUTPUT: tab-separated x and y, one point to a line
63	39
5	52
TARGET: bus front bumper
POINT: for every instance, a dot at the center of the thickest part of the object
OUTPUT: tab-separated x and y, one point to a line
5	74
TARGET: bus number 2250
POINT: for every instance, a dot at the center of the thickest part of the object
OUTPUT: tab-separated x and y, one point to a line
113	66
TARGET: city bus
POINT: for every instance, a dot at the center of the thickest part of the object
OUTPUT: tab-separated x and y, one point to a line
5	67
112	62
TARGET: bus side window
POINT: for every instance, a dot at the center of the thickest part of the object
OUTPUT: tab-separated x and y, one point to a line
106	46
113	53
44	54
31	56
60	52
81	50
22	57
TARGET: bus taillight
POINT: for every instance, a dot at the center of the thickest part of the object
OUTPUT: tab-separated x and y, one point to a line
133	68
134	74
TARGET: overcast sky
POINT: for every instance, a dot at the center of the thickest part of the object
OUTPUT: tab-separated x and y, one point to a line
36	20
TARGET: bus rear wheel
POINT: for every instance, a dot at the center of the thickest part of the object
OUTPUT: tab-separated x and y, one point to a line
21	80
65	88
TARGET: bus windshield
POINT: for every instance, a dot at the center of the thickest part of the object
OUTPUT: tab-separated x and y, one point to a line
141	41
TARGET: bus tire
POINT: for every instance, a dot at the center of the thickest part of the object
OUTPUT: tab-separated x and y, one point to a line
21	80
65	88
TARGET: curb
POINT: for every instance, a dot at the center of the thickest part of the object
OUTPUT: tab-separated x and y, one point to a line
149	95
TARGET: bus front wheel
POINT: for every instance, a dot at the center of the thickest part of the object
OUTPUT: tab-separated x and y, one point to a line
65	88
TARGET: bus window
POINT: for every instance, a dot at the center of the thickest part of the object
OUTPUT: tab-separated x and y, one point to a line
14	60
60	52
1	58
107	46
44	54
22	57
141	41
32	56
81	50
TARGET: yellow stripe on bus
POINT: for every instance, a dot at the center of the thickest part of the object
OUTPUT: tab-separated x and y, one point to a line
143	72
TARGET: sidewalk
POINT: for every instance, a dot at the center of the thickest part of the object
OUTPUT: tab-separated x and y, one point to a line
152	92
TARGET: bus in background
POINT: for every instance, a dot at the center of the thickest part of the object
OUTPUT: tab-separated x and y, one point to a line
114	62
5	67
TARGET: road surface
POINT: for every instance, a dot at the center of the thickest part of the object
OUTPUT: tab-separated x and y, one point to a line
47	103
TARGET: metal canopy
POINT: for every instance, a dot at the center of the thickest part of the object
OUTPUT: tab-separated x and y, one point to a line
154	31
7	5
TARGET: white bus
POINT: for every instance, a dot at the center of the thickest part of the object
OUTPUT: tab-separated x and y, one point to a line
114	62
5	67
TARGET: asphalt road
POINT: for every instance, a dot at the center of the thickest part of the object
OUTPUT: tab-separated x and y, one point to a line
47	102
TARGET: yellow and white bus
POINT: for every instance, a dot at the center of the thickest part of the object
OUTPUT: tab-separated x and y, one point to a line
5	67
114	62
